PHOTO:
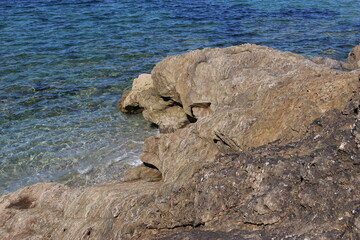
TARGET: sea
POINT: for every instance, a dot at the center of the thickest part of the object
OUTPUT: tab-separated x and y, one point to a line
64	64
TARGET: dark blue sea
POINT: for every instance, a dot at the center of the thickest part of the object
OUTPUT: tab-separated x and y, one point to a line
65	63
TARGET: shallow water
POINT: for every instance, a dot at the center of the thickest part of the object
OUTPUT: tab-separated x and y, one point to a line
65	63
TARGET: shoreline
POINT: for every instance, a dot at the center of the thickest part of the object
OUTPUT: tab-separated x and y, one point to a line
241	129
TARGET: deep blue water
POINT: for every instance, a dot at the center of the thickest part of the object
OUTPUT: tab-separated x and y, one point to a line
65	63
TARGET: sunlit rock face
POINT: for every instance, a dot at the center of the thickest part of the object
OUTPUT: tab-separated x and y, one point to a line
253	143
240	97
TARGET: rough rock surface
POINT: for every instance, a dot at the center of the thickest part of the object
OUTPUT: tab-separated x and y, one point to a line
144	98
353	60
327	62
306	188
143	171
270	148
242	97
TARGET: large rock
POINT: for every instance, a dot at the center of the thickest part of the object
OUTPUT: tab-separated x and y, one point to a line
306	189
307	185
241	97
269	148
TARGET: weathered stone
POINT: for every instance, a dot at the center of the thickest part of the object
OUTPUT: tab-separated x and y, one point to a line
327	62
272	150
200	110
150	152
242	97
144	98
54	211
142	172
30	214
353	60
307	188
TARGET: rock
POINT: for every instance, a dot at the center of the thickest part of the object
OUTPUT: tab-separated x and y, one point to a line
269	148
327	62
150	154
21	211
248	235
212	235
242	97
167	119
54	211
142	171
304	189
353	60
144	98
200	110
131	102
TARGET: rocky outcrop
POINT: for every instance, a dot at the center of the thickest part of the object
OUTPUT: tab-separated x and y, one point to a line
241	97
255	143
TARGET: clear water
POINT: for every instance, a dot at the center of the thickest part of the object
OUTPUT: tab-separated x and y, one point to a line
65	63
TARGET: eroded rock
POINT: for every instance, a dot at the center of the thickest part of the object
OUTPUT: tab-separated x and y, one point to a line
242	97
327	62
269	148
143	97
147	172
304	189
353	60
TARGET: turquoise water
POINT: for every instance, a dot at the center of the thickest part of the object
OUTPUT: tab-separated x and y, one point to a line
65	63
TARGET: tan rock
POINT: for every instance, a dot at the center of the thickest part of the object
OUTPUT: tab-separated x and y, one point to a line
327	62
142	92
214	76
54	211
261	154
142	172
144	98
353	60
243	97
150	152
200	110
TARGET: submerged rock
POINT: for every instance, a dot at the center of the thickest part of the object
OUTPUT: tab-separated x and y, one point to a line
256	144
